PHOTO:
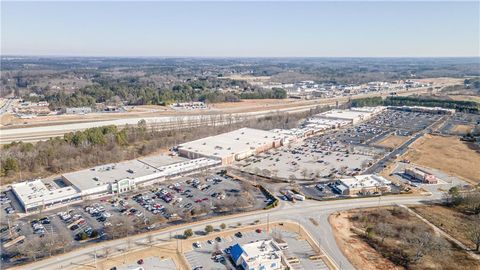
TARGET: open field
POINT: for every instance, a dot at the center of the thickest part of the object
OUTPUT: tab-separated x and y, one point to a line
447	154
465	98
462	129
249	103
442	81
392	141
452	222
387	238
248	78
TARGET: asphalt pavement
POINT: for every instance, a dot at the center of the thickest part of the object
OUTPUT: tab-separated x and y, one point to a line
300	212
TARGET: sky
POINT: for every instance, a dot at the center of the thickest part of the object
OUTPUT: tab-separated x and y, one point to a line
241	29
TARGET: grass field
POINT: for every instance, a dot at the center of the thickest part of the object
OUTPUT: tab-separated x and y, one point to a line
392	141
447	154
462	129
465	98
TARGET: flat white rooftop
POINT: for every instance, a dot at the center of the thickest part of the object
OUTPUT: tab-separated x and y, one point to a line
109	173
231	143
365	181
259	248
35	193
344	114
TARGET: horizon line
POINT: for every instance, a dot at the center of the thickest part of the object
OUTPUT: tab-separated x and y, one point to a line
206	57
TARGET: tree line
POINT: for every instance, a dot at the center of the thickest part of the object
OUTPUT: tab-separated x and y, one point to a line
133	91
109	144
459	105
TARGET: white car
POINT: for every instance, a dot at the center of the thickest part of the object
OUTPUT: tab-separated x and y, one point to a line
197	245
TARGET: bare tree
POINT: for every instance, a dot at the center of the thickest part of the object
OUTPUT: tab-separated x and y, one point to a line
383	230
422	244
32	248
474	232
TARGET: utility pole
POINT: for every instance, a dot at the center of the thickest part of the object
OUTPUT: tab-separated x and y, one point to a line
9	227
95	257
268	223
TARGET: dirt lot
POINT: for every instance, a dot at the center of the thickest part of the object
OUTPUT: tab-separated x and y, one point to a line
447	154
392	141
359	253
452	222
462	129
351	228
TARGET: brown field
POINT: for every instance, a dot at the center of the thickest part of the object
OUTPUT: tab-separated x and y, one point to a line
260	103
465	98
454	223
442	81
462	129
374	253
248	78
447	154
392	141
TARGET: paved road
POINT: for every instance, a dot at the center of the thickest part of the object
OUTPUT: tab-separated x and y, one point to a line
300	212
33	134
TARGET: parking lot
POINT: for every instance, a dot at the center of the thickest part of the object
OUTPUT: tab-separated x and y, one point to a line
214	253
459	119
344	152
186	198
314	158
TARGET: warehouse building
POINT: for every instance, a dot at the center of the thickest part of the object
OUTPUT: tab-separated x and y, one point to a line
362	184
232	146
34	195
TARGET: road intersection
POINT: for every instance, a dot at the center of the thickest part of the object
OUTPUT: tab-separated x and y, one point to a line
300	212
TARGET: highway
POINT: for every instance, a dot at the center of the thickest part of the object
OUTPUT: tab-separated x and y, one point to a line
44	132
300	212
33	134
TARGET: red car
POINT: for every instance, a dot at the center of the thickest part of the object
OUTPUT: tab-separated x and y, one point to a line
205	199
140	261
258	230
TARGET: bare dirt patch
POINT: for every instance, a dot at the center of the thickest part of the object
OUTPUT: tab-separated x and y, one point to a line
392	141
448	154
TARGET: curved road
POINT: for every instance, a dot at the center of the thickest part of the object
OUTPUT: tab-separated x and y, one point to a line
300	212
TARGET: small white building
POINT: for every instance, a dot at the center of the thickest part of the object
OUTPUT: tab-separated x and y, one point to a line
78	110
260	255
363	184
